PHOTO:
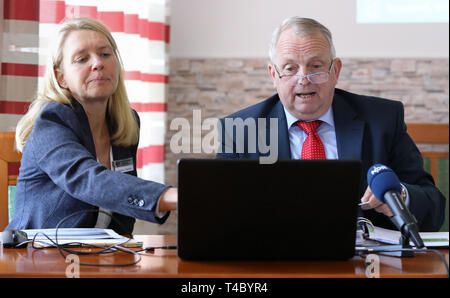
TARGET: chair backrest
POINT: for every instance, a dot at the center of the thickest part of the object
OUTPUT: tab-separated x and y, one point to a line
9	165
435	160
430	133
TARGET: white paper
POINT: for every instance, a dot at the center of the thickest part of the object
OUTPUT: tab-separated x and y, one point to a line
73	233
86	236
430	239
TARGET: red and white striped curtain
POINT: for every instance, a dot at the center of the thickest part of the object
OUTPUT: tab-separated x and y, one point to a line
141	30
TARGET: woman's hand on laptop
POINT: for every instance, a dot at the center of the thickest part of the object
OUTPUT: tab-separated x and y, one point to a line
369	201
169	199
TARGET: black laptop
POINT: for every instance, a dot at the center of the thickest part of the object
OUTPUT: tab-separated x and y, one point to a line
289	210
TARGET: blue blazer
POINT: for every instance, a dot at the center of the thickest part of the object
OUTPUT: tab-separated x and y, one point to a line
369	129
59	175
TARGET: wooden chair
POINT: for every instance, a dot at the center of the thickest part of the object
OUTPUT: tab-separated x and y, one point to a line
435	161
428	133
9	170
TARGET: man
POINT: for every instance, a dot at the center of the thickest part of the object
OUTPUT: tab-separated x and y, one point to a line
305	71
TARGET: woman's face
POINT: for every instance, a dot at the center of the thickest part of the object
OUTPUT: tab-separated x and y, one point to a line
90	69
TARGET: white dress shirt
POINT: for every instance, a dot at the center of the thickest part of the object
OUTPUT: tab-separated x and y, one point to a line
326	132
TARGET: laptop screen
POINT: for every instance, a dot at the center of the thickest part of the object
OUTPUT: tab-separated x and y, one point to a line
292	209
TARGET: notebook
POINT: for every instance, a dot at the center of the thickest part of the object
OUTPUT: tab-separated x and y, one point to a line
289	210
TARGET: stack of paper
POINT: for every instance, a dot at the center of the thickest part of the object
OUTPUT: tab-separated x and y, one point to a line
79	236
430	239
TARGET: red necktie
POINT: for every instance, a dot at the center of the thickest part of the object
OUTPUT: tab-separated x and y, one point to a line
312	147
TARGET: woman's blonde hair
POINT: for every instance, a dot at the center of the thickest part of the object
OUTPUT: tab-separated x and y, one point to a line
122	124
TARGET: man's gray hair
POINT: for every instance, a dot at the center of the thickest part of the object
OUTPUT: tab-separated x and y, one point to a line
303	26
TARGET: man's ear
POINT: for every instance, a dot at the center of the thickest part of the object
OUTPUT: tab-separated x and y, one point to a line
60	78
337	67
271	70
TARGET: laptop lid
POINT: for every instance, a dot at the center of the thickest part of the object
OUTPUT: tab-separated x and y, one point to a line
289	210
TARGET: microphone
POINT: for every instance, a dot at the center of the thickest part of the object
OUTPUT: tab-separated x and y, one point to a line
386	187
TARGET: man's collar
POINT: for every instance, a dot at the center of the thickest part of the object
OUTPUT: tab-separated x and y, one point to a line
327	117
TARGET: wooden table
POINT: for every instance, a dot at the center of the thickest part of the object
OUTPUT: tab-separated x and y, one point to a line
29	262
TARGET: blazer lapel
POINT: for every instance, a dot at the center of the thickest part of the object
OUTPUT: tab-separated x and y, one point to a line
86	133
349	129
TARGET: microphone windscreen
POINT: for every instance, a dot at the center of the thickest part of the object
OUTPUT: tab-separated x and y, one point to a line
381	179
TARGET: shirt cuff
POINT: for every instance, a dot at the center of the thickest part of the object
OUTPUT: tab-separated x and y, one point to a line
406	198
159	214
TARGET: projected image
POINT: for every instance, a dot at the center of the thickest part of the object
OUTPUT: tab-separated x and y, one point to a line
402	11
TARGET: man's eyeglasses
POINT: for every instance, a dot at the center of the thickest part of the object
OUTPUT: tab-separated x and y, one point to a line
290	76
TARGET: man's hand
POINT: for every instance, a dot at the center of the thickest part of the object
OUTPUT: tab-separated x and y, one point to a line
374	203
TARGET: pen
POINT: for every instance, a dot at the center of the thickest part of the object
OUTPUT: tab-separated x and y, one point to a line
363	203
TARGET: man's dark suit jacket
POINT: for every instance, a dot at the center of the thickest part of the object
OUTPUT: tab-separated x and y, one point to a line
60	175
369	129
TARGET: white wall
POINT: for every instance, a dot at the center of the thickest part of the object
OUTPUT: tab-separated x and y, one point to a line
243	28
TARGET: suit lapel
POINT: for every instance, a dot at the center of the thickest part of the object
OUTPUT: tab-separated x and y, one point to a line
349	129
284	149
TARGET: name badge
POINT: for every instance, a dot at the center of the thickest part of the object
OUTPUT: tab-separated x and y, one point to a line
123	165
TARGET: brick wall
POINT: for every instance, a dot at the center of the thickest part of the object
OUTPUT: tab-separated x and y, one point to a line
218	87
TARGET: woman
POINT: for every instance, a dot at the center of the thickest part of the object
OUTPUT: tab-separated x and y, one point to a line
79	141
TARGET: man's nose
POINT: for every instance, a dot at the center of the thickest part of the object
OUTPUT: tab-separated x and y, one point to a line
302	80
